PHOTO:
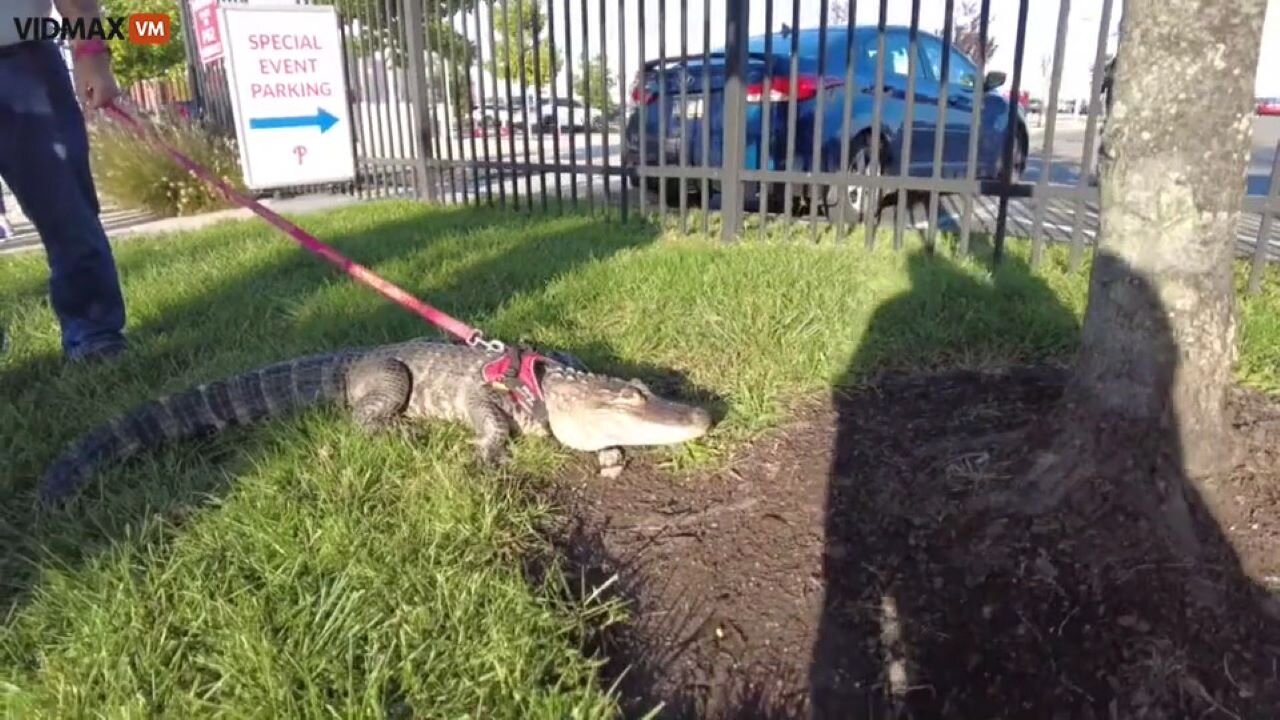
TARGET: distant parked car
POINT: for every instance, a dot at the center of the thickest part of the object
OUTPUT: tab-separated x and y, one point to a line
682	124
496	113
1269	106
557	116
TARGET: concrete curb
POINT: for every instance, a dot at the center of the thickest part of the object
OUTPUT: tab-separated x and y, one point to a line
296	205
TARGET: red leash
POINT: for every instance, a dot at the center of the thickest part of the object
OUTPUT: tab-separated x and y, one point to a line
360	273
515	369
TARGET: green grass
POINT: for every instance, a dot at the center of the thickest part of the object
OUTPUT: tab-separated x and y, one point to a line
300	569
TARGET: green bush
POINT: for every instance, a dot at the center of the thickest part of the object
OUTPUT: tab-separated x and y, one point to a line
135	174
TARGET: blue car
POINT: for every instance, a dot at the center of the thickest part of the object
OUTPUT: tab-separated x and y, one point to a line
681	124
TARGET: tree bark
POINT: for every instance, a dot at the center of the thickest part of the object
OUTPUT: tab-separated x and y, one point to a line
1159	339
1144	420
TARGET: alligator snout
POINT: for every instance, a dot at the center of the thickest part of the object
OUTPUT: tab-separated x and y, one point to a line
671	422
590	413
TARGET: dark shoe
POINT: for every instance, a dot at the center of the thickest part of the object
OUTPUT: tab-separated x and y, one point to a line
97	352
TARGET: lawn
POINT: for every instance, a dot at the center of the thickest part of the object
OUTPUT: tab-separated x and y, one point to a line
300	569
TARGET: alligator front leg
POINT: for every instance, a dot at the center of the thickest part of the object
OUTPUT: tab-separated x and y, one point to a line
492	428
611	462
378	391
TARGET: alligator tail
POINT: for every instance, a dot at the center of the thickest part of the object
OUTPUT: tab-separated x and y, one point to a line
267	392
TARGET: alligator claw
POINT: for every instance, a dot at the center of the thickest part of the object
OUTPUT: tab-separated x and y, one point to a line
494	457
611	462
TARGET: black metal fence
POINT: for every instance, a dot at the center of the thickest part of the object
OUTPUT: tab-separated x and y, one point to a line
844	121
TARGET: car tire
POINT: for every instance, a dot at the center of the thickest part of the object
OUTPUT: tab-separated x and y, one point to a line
667	192
851	202
1019	157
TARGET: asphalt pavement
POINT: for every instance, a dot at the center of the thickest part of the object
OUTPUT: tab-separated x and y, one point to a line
1068	149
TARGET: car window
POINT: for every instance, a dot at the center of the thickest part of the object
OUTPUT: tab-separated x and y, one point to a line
931	56
836	57
960	72
897	50
838	46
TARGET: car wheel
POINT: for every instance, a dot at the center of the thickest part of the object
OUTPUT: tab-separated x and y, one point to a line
1019	157
851	202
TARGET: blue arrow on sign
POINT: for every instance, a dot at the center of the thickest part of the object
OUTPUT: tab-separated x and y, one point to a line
321	119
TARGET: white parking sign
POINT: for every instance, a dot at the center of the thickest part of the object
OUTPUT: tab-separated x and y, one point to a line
288	93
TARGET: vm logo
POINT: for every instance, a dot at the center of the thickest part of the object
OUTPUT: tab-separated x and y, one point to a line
138	28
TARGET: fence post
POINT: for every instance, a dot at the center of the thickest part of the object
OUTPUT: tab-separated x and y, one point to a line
192	53
1263	243
1010	136
734	120
415	27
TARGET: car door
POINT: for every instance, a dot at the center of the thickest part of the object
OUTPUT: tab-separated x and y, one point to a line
924	115
960	80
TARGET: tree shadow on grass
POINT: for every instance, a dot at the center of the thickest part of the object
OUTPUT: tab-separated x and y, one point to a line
291	305
937	606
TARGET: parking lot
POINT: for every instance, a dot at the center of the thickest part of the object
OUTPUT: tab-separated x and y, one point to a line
594	151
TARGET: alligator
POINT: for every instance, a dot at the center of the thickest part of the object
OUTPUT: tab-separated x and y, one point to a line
494	391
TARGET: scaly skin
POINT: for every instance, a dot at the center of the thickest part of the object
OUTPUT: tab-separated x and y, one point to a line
415	380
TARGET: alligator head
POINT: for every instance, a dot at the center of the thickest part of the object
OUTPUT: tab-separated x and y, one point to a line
594	413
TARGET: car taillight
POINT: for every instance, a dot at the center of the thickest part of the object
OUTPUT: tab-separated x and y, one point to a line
780	89
639	98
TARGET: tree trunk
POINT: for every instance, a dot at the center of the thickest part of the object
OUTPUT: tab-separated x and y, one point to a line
1159	338
1145	416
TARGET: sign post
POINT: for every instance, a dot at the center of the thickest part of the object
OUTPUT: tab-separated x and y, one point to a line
288	94
204	18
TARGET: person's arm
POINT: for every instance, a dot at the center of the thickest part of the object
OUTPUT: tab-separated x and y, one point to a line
90	61
88	10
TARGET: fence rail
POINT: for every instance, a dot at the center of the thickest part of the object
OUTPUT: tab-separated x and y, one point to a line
830	120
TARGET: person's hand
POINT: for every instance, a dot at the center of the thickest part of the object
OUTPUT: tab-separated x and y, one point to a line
95	83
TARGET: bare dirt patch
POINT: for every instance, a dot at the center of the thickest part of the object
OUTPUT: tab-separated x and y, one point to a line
833	569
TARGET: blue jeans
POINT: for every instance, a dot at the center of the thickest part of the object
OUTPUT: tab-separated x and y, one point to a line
44	159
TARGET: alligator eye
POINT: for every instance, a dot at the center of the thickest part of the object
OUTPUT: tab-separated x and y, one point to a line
631	395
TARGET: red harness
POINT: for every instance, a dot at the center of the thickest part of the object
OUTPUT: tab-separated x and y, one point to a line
517	372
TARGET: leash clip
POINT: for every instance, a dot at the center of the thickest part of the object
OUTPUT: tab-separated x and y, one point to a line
494	346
